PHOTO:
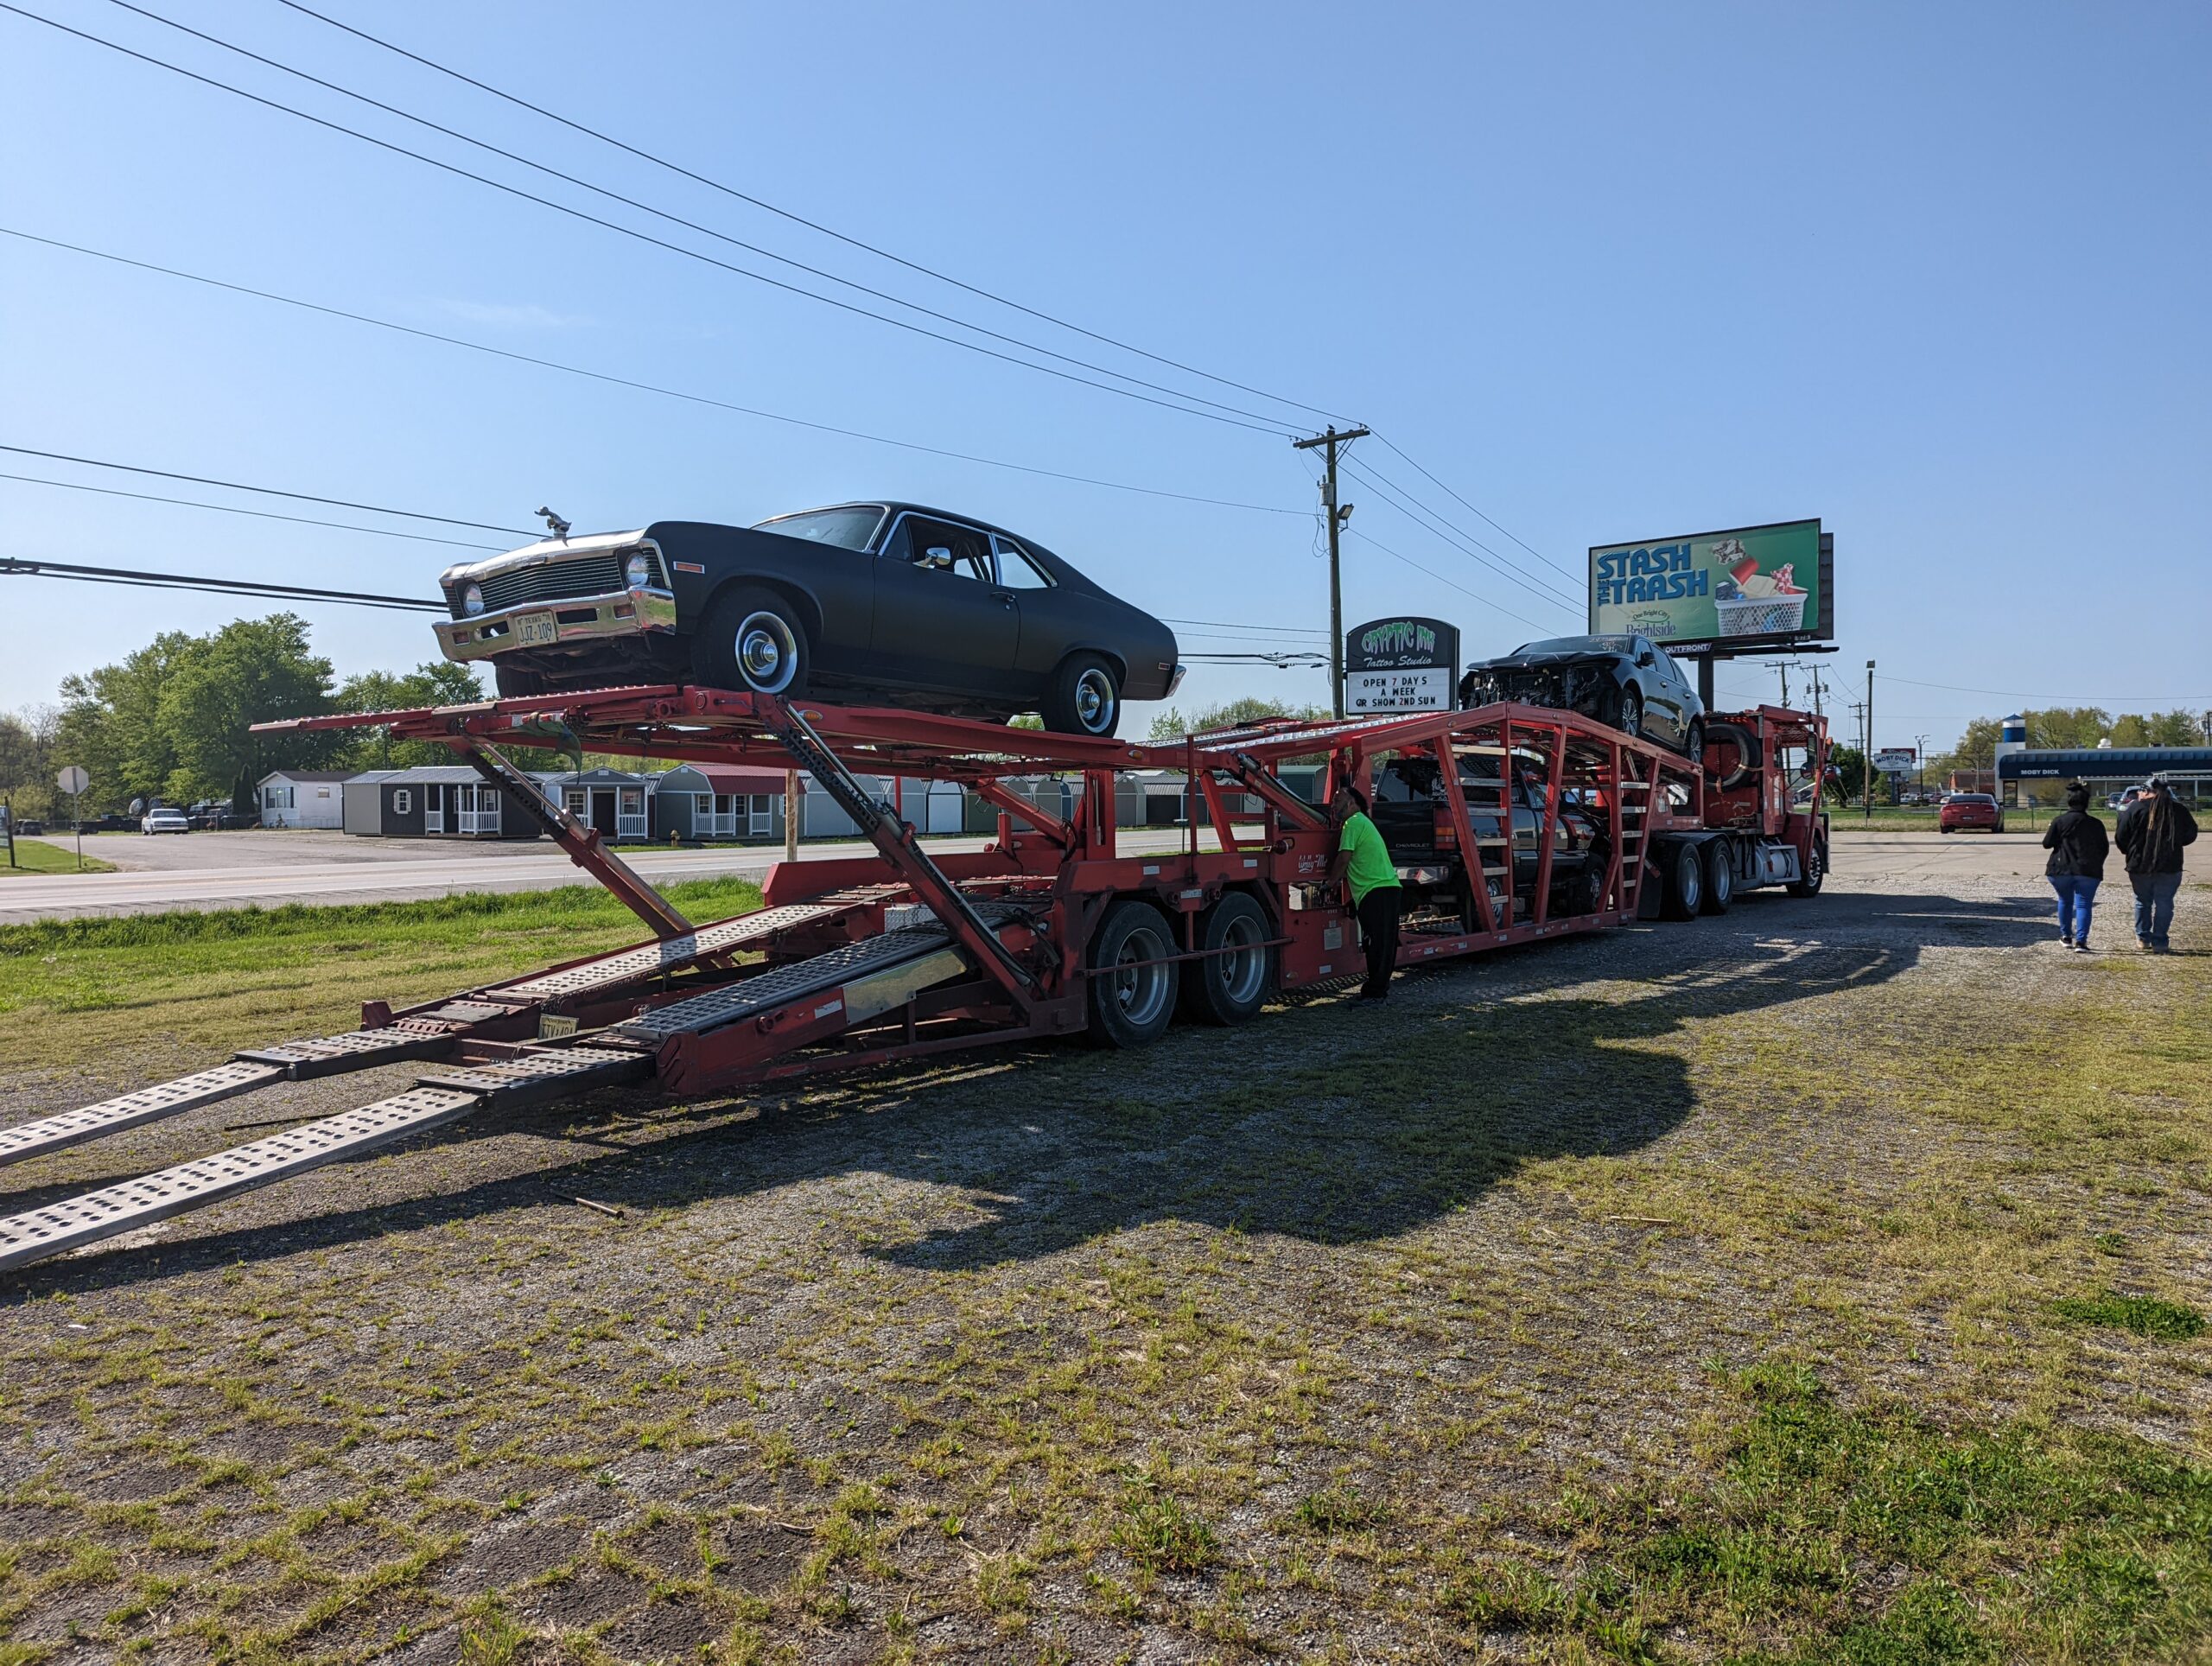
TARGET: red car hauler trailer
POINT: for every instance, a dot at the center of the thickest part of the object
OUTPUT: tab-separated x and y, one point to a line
1058	927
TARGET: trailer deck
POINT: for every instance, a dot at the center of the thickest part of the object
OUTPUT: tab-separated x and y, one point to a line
1050	932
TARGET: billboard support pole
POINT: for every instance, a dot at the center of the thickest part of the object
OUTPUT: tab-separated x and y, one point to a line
1332	438
1868	772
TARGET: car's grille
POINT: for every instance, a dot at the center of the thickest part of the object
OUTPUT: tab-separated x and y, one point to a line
558	580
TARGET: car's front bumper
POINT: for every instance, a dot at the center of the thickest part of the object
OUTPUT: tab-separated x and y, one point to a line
569	622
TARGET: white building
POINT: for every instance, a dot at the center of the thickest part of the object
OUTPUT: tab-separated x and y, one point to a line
303	797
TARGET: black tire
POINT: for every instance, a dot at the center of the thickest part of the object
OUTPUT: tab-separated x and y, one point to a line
754	641
513	682
1631	713
1131	1008
2000	827
1685	869
1229	989
1816	871
1085	698
1585	891
1693	742
1719	877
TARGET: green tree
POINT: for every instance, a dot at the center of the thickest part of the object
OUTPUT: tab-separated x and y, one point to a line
1851	768
2068	728
110	722
2173	729
1171	725
251	672
435	683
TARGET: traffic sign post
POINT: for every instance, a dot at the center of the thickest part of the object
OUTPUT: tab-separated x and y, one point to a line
72	781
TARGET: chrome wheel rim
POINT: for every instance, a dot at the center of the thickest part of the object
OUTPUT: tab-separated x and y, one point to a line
1243	967
1631	714
1141	992
1094	701
767	656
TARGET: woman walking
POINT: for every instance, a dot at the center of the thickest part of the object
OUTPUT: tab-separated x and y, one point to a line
2077	845
2152	831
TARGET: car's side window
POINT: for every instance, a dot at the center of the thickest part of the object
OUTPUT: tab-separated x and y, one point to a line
1016	571
942	547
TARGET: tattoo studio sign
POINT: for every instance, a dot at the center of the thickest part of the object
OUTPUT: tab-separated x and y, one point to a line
1401	664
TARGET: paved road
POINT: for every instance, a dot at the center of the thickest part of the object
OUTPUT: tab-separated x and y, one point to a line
230	870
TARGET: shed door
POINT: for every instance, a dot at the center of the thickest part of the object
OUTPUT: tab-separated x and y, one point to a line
434	808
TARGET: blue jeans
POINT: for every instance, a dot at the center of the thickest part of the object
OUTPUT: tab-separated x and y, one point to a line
2154	906
2076	897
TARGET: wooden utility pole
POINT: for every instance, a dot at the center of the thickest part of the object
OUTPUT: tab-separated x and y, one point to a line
1331	439
1870	740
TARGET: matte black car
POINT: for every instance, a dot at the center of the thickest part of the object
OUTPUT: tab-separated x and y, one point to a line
886	601
1409	811
1627	681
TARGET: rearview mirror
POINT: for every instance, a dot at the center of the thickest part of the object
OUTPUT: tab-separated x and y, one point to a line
1645	658
937	556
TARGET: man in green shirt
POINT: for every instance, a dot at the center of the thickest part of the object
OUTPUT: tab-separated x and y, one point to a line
1364	861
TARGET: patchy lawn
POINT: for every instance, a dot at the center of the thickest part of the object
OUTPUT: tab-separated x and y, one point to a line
1824	1282
37	856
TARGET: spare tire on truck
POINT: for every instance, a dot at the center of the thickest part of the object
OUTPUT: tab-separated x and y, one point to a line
1133	981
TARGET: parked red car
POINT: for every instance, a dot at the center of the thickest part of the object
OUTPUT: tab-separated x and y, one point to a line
1970	810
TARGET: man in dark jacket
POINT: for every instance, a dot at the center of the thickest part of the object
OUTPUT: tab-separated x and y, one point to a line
2076	842
2152	831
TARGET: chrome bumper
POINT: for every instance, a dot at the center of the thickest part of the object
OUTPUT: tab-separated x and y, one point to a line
574	619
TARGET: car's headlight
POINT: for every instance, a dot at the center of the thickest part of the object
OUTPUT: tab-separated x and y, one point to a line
638	571
472	599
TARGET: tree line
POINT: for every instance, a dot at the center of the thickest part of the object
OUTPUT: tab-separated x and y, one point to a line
2074	728
173	720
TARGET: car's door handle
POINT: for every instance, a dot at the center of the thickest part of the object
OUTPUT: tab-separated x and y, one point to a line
1005	598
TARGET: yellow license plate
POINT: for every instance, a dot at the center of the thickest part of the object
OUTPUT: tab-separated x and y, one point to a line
536	630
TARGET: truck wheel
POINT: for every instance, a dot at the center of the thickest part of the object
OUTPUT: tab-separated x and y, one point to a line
512	681
1816	871
1685	883
1085	698
1131	1003
1229	988
1586	893
751	641
1719	877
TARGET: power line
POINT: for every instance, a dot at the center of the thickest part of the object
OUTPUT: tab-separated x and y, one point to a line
23	568
674	219
1535	582
1563	571
628	231
1368	538
632	384
263	491
1272	630
259	514
2015	694
796	219
1543	595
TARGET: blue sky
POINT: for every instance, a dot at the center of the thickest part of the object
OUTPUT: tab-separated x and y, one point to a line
1936	274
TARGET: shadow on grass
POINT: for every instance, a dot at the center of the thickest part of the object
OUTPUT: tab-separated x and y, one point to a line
1321	1119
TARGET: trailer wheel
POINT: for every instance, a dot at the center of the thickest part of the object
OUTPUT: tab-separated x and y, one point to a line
513	680
1816	871
1232	983
1131	1002
1685	883
1719	877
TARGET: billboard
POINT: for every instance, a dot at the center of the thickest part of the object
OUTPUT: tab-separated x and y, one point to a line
1897	760
1401	664
1749	584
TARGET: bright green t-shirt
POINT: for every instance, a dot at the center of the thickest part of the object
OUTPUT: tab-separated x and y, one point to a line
1370	868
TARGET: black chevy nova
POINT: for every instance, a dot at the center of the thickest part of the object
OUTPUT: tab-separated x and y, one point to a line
886	601
1628	681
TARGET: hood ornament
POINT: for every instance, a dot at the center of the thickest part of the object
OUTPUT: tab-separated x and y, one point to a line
558	527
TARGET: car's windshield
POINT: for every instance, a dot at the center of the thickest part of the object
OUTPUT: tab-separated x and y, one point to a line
1579	644
846	529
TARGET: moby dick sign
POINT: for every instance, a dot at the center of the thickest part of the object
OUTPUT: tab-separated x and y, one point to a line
1746	584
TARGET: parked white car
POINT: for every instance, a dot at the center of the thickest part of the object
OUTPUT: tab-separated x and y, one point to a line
164	818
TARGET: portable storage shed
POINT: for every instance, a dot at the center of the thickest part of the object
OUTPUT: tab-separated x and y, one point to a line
721	801
436	801
302	798
617	803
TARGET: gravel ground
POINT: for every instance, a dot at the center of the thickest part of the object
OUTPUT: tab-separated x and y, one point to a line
905	1367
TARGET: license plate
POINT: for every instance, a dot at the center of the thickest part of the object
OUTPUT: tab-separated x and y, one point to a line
536	630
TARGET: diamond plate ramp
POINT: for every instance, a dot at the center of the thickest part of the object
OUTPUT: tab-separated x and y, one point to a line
335	1055
536	1077
649	959
71	1128
125	1207
772	988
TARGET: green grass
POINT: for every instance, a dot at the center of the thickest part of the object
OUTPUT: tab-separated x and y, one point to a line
225	978
1875	1535
2167	1321
37	856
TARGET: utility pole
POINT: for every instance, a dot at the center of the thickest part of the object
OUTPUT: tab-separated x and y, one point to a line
1817	712
1920	752
1781	668
1333	438
1870	741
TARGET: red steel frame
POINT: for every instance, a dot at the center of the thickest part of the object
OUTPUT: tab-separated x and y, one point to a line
1031	977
